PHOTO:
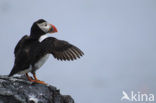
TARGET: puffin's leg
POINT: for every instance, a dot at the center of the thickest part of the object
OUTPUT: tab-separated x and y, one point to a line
36	80
34	75
29	78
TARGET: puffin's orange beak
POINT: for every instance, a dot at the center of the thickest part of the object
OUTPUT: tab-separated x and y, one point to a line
52	29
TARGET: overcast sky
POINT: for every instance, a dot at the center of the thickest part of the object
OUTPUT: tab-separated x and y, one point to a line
118	38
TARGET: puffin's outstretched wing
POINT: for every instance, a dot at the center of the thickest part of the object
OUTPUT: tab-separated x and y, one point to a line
20	44
61	49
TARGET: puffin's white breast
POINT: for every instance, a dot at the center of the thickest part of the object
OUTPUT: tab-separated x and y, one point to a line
44	58
41	61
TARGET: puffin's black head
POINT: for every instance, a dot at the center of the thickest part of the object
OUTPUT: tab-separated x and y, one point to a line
41	27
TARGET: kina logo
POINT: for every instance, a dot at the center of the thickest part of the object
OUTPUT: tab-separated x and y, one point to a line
137	96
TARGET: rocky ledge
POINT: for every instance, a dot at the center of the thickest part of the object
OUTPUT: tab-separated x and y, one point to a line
20	90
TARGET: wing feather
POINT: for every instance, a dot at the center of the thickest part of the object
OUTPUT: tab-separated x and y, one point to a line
61	49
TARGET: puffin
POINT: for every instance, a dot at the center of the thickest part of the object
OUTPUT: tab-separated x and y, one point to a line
32	51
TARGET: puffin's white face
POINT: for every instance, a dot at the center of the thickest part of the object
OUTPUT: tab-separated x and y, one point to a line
45	27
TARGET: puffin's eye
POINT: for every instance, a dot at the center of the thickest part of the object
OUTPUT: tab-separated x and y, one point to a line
45	24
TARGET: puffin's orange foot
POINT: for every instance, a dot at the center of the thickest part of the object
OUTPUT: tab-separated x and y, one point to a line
40	82
36	80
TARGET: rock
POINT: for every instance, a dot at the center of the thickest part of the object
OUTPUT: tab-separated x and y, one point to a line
20	90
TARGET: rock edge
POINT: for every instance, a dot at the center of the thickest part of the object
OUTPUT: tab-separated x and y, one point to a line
19	90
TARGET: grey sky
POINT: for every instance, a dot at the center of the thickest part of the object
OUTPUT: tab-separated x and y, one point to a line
117	37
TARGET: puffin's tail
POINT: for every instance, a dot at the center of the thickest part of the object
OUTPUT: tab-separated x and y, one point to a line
12	72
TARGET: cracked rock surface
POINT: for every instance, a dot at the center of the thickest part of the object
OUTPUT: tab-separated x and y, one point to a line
19	90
